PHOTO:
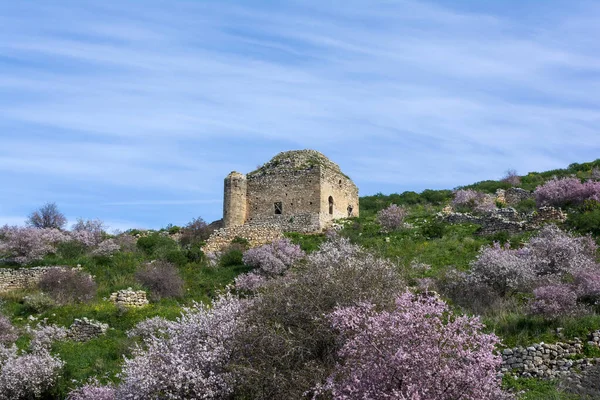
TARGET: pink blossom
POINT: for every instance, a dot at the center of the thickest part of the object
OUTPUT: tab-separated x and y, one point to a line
250	281
274	258
392	217
553	301
418	350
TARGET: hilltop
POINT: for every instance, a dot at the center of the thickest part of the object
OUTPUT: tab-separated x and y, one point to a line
531	275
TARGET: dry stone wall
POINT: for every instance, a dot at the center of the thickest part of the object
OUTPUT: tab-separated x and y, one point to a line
255	235
22	278
129	298
85	329
505	219
548	360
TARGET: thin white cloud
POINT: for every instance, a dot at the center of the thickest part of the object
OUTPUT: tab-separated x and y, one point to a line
168	100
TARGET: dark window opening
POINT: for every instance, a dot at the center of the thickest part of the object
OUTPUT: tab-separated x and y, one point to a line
340	182
278	207
330	205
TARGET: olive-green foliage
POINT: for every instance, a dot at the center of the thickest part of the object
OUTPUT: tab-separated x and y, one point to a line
308	243
536	389
370	205
231	257
71	249
526	206
586	219
488	186
156	245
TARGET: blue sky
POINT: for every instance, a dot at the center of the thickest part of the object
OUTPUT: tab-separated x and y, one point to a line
135	111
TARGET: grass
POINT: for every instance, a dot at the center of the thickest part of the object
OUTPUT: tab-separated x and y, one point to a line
425	240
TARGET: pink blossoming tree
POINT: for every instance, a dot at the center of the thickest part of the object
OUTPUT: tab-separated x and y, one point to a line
418	350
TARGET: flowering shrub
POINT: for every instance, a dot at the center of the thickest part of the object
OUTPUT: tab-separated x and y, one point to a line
42	336
151	327
588	285
511	177
30	375
392	217
274	258
162	279
288	344
24	245
555	252
93	391
8	333
554	301
190	361
250	281
68	285
106	248
502	268
47	216
419	350
567	192
89	232
550	255
26	376
472	200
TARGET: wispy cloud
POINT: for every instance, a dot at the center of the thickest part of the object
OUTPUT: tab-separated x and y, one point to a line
113	104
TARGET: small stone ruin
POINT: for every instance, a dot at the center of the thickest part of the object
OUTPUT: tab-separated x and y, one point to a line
549	360
85	329
129	298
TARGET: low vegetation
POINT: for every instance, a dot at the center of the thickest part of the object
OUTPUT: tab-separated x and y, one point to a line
395	303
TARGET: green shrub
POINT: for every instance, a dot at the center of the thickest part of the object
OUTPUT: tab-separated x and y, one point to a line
70	250
38	302
156	245
241	241
231	257
526	206
586	219
176	257
194	253
433	229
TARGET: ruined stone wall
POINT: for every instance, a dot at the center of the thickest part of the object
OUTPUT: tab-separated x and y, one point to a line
85	329
255	235
22	278
129	298
343	191
506	219
298	191
548	360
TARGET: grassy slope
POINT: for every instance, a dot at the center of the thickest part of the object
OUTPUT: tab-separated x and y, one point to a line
427	241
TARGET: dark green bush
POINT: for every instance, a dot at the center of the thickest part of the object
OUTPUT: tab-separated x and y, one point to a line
194	253
156	245
231	257
70	250
586	220
526	206
176	257
433	229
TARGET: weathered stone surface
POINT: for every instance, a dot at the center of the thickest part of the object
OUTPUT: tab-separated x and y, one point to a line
547	360
255	235
514	196
22	278
85	329
296	191
129	298
505	219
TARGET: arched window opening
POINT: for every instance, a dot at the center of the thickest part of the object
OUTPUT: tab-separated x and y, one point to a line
330	205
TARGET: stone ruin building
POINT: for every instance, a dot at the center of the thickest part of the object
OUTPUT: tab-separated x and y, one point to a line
297	191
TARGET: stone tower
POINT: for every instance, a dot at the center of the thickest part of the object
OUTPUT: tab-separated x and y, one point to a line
234	199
